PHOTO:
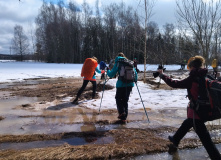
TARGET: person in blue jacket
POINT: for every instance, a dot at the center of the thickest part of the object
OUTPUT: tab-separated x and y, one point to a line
123	89
102	65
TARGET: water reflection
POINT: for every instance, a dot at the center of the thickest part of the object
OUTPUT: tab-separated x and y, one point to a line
185	154
88	121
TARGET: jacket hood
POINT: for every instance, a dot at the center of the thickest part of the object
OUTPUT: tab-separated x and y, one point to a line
199	72
117	58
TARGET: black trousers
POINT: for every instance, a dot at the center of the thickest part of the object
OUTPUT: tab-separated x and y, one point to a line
122	97
103	76
84	86
215	71
202	133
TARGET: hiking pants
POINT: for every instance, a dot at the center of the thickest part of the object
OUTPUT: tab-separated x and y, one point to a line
84	86
202	133
122	97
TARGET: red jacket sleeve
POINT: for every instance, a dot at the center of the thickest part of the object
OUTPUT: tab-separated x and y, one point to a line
185	83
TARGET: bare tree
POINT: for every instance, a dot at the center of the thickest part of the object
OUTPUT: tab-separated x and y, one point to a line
148	8
33	38
169	43
20	42
201	19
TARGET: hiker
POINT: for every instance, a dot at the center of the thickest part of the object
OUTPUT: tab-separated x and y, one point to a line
195	66
102	65
123	88
135	65
182	65
88	72
215	67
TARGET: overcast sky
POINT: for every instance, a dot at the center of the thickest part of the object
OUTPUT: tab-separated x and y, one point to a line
13	12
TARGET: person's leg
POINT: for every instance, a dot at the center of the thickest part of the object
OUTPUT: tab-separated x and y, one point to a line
125	99
181	132
82	88
80	91
94	83
119	101
206	140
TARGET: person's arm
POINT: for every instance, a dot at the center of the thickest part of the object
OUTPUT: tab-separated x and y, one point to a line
185	83
98	70
111	73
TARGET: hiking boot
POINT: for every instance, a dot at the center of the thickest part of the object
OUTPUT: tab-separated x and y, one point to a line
75	101
123	121
172	147
122	116
120	122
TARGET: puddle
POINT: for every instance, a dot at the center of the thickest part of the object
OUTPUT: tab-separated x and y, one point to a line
70	119
4	85
53	143
76	119
185	154
20	121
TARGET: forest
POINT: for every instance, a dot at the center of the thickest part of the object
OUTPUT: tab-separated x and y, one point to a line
69	33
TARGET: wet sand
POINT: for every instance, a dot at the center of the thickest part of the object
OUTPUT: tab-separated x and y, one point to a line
104	137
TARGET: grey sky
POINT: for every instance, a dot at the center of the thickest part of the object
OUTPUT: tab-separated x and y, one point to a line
23	13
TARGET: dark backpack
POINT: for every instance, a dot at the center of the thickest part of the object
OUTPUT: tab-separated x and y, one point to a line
127	73
208	104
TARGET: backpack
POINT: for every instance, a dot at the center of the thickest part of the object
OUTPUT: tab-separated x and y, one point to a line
126	74
208	104
88	68
102	65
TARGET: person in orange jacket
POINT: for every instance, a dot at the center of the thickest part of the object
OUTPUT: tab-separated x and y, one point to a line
88	71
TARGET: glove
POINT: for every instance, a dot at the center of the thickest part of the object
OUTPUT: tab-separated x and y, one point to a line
161	67
102	71
156	74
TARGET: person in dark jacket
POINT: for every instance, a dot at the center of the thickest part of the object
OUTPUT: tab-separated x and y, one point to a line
195	65
123	89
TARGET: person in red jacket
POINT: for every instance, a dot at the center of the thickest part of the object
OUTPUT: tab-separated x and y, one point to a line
195	65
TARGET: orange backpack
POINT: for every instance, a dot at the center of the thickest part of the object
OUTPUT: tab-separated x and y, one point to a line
88	68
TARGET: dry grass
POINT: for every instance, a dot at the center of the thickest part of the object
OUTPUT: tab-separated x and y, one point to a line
127	143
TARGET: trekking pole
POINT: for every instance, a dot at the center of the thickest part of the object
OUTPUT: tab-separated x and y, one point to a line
159	83
105	81
142	102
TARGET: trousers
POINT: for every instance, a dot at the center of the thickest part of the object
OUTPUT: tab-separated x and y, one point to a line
122	97
202	133
84	86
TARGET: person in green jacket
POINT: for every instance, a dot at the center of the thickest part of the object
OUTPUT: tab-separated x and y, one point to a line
123	88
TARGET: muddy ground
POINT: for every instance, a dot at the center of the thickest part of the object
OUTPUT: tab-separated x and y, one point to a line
128	142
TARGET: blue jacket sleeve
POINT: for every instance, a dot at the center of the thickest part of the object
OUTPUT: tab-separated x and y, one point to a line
98	70
113	72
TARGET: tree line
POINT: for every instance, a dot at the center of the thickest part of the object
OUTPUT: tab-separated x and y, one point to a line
67	33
